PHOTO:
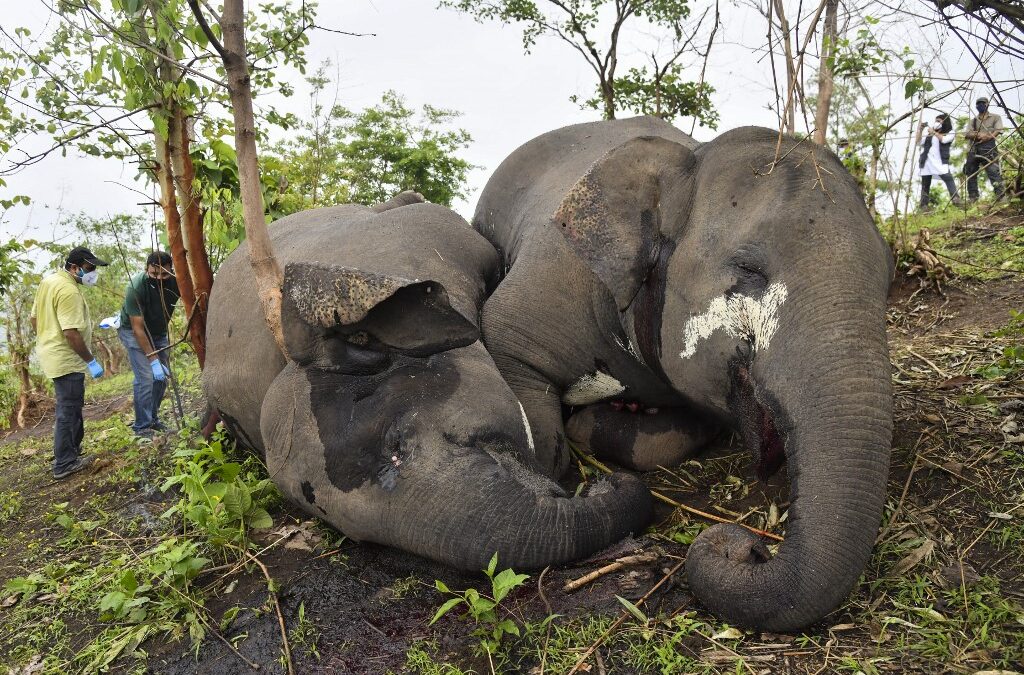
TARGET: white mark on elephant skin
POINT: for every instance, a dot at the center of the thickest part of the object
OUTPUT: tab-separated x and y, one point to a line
627	347
526	423
592	388
753	319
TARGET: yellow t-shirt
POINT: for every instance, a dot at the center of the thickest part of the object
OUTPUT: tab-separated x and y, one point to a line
59	306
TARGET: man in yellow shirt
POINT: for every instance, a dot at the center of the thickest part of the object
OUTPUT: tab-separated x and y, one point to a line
60	317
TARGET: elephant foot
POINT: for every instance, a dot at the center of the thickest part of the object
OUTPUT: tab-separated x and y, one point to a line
639	437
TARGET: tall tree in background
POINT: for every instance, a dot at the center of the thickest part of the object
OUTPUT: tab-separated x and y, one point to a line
829	36
579	24
367	157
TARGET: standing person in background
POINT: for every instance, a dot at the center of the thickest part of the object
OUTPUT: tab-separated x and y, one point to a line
983	154
934	160
149	302
63	327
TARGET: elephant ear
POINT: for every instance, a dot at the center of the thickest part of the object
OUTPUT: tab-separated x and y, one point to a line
613	216
349	320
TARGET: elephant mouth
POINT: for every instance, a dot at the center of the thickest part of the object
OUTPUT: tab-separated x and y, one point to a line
758	418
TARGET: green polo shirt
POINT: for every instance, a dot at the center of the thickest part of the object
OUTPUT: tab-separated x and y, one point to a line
60	306
142	297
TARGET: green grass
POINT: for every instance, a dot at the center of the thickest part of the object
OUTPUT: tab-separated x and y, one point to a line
955	237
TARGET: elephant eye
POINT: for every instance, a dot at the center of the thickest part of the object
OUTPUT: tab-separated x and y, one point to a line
751	278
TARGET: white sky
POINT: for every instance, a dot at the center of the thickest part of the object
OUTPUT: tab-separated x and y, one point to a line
440	57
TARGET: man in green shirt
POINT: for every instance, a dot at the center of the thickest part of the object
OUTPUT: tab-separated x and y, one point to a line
149	302
60	318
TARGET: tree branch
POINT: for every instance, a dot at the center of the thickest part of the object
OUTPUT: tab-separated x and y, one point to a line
201	20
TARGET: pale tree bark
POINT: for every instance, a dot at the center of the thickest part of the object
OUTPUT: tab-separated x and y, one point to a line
789	113
19	349
266	268
825	83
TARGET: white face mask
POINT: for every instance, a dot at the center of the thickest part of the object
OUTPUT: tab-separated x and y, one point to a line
937	126
89	278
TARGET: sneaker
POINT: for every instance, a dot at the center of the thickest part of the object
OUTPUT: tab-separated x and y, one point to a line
158	427
80	463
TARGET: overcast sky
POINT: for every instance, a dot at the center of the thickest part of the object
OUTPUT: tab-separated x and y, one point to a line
440	57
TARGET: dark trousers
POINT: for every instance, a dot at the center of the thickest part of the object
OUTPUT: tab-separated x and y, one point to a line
68	429
926	186
147	391
986	158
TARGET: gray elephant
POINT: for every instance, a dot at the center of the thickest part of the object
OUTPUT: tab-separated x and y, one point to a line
389	420
657	289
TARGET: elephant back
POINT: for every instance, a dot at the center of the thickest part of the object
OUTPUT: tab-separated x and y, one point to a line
536	177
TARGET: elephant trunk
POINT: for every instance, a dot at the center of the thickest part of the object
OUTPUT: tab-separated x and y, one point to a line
826	403
491	504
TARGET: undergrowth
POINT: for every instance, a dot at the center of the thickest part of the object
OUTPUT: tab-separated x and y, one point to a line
138	581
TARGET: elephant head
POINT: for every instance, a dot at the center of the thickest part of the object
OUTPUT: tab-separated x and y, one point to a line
750	280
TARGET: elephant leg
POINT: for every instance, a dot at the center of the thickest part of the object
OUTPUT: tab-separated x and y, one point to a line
641	440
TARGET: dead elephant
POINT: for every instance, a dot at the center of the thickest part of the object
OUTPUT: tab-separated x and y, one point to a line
389	419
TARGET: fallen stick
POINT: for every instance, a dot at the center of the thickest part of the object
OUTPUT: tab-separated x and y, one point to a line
671	502
271	586
623	617
618	564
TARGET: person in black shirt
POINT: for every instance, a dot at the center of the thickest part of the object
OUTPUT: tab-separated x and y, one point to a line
149	301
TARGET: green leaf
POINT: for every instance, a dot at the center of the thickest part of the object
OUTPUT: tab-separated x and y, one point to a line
22	585
112	601
506	581
492	565
260	519
229	617
444	609
160	125
632	609
128	582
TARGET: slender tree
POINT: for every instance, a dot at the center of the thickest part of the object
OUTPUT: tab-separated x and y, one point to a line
266	269
579	24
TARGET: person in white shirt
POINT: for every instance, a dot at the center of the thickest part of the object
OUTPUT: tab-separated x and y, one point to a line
934	160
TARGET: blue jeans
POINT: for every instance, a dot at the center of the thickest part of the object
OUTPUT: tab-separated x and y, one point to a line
148	391
68	428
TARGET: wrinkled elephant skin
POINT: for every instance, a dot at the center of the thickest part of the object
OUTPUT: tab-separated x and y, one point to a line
389	419
658	288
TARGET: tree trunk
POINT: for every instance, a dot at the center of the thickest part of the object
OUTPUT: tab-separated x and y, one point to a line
111	363
191	229
268	273
873	180
172	219
789	111
608	94
825	84
19	353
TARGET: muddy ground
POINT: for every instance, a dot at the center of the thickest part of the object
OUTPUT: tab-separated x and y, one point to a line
953	528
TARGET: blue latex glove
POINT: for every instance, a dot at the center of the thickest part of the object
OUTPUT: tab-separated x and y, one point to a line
158	370
95	369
